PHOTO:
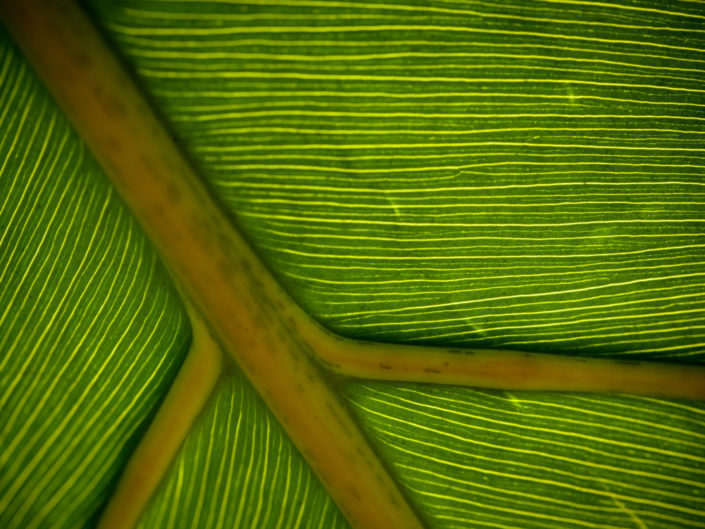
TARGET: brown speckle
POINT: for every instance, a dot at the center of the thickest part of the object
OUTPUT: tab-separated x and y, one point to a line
354	492
114	108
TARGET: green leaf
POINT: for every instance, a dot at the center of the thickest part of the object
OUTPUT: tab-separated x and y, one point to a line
481	459
523	175
91	332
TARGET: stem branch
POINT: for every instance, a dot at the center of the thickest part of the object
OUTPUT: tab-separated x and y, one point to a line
158	447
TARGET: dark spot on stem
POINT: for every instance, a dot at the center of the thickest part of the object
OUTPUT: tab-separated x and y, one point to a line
114	108
339	419
81	58
173	192
113	144
627	362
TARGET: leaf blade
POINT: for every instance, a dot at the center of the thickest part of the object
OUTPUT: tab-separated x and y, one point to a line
78	284
441	191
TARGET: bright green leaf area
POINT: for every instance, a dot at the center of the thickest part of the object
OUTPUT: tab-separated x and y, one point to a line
499	174
91	332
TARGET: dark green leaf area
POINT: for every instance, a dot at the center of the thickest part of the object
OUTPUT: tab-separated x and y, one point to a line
91	332
498	174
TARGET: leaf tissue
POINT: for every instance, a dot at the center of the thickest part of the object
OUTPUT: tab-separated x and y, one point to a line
492	175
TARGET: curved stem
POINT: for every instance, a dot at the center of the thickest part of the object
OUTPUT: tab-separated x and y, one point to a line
186	398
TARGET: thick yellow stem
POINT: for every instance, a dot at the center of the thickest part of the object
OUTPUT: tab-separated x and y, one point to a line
511	370
160	443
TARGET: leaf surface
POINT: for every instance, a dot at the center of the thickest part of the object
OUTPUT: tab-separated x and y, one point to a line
485	174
